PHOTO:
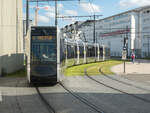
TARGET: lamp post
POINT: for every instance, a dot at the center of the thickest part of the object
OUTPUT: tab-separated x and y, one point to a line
27	15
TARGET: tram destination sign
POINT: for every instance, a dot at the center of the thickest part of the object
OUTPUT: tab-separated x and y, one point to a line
43	37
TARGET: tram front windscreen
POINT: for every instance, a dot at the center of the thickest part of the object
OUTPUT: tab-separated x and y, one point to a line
43	49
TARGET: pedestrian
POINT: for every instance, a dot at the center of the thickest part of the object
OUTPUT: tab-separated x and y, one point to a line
133	57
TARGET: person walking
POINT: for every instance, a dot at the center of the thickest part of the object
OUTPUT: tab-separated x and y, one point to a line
133	57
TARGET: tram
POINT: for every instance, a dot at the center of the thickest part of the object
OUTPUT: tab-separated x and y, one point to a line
80	52
48	53
42	57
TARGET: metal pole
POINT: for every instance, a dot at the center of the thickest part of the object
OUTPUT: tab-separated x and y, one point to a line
56	14
124	67
94	30
27	15
85	48
148	46
94	41
36	14
126	40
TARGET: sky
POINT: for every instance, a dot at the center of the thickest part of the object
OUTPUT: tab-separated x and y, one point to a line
46	13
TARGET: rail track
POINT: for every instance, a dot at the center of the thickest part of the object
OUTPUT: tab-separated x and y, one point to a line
17	101
100	70
46	103
106	85
83	100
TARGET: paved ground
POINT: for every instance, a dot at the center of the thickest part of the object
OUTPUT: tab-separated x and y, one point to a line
108	99
139	71
18	97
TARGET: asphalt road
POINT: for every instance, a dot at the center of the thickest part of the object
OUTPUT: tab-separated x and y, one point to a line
18	97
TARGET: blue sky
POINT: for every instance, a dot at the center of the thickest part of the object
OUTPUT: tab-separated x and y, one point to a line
85	7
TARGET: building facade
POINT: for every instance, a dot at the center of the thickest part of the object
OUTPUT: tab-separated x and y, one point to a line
11	36
132	25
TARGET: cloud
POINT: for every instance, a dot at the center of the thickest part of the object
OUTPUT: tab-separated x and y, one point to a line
50	14
71	12
131	3
49	8
43	19
60	6
88	7
52	8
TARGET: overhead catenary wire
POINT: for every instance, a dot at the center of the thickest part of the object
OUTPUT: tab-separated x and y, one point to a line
70	6
82	16
27	9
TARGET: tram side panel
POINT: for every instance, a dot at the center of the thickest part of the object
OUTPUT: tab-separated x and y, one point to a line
90	53
81	51
62	56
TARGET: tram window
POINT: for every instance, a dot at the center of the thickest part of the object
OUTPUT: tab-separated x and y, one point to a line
44	52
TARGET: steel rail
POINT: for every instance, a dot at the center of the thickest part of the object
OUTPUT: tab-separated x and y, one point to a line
49	107
17	101
83	100
122	81
101	83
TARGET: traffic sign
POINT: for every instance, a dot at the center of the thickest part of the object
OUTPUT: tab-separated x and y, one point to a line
124	55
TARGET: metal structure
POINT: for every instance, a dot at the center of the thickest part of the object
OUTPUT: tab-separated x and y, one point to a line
36	14
94	19
27	9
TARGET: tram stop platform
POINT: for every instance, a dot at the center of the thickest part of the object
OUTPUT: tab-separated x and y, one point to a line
138	71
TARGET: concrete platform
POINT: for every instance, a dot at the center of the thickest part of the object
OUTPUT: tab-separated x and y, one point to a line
139	71
138	67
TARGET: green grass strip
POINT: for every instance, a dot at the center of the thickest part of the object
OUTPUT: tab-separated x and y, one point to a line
92	68
20	73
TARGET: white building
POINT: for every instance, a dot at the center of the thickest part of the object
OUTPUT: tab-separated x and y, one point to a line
111	31
11	35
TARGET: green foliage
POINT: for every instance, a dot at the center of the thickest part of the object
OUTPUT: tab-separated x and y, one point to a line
20	73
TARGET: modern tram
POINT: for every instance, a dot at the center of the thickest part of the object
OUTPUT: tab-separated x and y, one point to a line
48	53
42	55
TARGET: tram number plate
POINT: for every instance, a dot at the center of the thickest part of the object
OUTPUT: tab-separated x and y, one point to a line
124	55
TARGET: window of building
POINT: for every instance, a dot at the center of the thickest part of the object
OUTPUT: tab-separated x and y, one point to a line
146	28
146	36
145	20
